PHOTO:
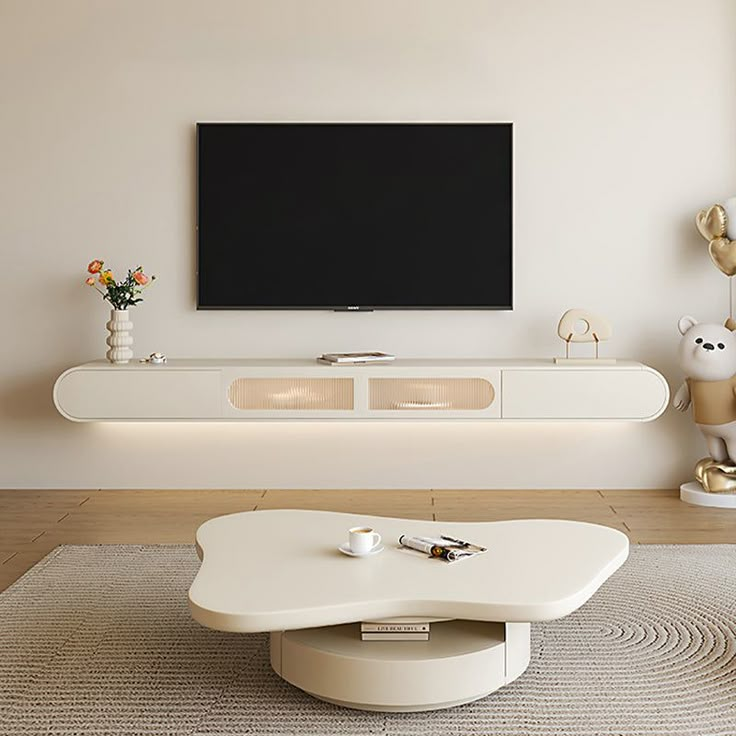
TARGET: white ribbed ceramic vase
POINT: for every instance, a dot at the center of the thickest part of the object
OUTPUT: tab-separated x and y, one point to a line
120	339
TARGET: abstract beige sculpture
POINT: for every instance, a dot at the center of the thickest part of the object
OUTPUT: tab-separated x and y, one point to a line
579	325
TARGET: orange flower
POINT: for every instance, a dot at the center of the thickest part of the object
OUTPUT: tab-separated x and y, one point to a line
140	278
90	281
106	278
95	266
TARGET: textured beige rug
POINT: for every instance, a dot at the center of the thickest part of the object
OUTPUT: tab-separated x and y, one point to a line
98	640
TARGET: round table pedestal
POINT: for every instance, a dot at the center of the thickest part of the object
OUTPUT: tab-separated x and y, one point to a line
461	662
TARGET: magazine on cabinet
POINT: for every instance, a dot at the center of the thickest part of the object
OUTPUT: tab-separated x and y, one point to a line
352	358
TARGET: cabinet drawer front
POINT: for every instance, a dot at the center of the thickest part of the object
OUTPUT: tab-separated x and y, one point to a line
430	394
291	394
139	394
582	394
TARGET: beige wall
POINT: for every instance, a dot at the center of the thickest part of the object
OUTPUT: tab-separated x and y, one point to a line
625	116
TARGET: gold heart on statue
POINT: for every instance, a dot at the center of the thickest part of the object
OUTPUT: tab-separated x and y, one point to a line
711	222
723	253
700	468
716	480
716	477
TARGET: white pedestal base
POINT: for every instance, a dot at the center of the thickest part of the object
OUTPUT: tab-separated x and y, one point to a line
693	493
462	661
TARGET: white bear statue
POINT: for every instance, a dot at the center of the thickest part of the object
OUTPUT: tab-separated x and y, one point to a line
707	357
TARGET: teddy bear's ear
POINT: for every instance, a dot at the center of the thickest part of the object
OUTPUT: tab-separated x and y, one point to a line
730	324
686	323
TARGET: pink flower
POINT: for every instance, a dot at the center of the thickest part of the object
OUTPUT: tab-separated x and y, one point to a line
95	266
90	281
140	278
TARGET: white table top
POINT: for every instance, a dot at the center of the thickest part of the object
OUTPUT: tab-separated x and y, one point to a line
281	570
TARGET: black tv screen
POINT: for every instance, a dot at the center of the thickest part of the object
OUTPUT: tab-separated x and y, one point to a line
354	216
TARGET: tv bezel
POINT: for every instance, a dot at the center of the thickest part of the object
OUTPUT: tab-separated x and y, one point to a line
358	307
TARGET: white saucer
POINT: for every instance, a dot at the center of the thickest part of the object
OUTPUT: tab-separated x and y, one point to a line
345	549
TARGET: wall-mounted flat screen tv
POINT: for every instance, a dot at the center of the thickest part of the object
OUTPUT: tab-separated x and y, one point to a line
354	216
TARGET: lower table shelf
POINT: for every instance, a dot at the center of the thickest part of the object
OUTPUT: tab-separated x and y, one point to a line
244	390
461	662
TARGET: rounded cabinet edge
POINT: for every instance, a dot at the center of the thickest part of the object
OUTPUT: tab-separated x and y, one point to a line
55	395
666	397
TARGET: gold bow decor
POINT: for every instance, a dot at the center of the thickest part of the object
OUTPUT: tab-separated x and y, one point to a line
712	223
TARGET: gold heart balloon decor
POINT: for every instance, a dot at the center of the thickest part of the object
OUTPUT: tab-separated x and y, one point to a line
723	254
713	224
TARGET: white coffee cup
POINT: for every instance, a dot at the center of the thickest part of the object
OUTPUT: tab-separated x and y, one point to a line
362	539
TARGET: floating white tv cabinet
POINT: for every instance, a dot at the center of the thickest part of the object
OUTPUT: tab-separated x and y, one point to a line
238	390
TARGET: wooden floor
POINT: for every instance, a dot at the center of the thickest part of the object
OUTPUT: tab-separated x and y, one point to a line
32	523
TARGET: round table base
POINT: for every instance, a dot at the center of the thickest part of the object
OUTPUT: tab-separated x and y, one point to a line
462	661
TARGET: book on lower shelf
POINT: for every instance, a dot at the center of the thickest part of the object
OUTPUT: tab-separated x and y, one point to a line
398	636
375	627
388	631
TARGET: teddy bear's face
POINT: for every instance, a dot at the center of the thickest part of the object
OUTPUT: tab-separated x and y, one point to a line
707	351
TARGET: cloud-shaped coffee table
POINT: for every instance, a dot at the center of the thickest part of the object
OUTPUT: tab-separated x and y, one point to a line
281	572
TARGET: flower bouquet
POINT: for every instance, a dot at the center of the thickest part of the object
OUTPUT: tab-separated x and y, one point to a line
121	295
